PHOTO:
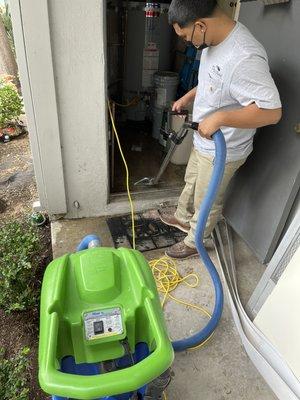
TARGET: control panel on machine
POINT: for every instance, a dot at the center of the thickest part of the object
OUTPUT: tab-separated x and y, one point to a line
103	323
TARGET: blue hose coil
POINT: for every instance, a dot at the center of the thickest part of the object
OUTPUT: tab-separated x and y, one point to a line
205	207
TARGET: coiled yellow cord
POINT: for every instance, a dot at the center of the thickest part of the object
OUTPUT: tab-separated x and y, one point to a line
167	279
127	174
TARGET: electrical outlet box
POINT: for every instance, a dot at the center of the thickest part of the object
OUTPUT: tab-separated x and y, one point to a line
229	6
269	2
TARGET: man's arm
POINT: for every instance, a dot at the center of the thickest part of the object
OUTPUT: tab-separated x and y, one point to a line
249	117
184	101
190	96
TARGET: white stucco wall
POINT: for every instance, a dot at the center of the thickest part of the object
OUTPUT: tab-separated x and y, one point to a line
78	47
61	53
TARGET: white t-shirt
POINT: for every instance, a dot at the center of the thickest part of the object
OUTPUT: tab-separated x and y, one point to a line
233	74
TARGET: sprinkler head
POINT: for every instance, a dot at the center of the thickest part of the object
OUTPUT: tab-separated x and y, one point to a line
37	219
6	138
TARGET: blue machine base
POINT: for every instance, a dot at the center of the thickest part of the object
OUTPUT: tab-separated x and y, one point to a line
69	366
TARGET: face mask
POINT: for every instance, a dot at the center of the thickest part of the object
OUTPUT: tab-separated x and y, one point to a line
203	45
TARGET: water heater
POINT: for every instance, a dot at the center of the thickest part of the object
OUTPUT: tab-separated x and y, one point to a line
148	47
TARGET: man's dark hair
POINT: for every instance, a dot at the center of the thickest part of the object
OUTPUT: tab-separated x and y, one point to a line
185	12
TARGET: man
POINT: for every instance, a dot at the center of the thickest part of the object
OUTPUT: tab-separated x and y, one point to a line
235	93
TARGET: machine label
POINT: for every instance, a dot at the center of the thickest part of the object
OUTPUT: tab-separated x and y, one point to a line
103	323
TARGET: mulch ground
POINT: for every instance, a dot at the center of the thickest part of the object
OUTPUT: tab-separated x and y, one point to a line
17	193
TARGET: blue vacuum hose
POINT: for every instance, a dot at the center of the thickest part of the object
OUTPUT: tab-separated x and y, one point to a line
89	241
205	207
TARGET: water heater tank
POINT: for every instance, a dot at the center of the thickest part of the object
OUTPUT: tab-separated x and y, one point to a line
137	52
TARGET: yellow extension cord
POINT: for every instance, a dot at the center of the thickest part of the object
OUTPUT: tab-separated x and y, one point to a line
127	175
164	269
167	279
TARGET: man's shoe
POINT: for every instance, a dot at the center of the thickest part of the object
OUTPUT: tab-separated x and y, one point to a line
171	220
181	251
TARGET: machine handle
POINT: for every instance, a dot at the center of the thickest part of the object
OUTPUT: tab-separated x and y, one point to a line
182	112
167	133
192	125
121	381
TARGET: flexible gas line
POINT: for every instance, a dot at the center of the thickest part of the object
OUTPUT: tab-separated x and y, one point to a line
131	103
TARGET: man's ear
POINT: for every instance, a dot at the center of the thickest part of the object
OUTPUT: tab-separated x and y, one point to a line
201	25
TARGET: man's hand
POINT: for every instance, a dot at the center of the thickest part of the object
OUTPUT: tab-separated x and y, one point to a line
210	125
180	104
184	101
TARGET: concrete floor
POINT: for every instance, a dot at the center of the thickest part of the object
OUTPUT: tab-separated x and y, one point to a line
221	369
144	162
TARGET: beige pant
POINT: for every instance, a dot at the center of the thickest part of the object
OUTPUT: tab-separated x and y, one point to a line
197	177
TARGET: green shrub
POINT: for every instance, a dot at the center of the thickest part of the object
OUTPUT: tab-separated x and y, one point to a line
19	262
6	18
11	105
14	376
